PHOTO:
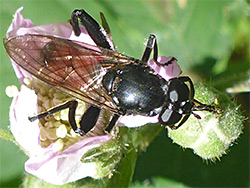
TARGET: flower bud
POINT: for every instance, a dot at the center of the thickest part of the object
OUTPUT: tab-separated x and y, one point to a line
214	133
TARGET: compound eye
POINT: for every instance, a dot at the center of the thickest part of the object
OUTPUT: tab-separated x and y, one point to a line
178	91
169	117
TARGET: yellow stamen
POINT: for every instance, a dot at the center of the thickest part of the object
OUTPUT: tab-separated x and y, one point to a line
58	145
27	81
61	131
11	91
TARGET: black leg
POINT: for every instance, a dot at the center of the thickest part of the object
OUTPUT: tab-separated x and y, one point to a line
75	24
71	116
151	44
89	119
183	120
191	85
112	123
72	105
53	110
198	106
196	115
92	27
155	56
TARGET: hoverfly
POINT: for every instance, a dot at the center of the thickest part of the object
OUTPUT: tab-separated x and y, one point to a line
104	78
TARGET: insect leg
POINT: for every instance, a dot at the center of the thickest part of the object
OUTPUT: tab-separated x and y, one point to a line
204	107
112	123
93	28
53	110
198	106
151	44
75	24
191	85
89	119
183	120
72	105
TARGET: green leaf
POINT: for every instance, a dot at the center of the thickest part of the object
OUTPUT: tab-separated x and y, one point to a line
194	32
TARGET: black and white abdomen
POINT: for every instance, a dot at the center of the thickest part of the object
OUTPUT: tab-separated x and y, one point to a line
135	90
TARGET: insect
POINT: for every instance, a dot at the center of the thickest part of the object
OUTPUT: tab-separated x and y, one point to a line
103	77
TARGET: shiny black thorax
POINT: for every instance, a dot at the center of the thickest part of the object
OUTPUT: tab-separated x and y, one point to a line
136	89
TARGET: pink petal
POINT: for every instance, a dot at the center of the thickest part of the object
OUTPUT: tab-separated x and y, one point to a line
18	21
167	72
20	26
67	166
46	163
25	132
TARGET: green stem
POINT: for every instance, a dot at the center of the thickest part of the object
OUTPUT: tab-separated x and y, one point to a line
123	174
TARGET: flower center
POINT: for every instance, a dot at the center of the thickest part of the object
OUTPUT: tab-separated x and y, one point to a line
55	128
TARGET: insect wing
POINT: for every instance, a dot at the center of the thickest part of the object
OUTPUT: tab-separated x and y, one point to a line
72	67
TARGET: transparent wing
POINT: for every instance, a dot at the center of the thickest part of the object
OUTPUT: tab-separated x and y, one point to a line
73	67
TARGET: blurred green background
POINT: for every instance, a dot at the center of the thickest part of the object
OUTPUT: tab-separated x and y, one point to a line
209	38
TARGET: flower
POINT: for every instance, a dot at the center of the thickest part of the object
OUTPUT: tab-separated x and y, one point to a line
55	151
